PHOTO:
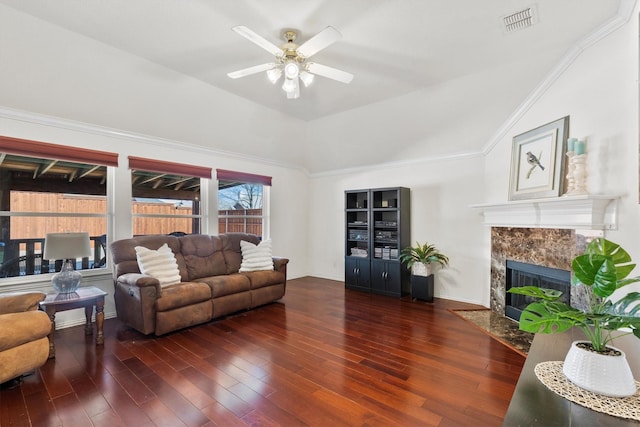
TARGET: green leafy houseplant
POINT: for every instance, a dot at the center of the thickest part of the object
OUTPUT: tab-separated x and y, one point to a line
602	269
424	254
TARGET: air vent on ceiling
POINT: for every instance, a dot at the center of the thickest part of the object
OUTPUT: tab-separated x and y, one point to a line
519	20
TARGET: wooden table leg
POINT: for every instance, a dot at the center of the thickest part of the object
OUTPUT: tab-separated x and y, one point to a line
99	320
51	312
88	313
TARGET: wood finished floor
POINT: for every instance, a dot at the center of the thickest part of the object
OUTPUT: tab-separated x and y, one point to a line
322	356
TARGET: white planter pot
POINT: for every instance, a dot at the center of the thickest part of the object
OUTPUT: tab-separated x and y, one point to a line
601	374
420	269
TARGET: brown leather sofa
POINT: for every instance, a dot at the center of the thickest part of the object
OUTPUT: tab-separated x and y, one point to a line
24	345
211	285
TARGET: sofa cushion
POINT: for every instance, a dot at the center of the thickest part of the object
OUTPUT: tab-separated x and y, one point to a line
227	284
182	294
260	279
256	257
231	248
21	328
124	258
160	263
16	302
203	255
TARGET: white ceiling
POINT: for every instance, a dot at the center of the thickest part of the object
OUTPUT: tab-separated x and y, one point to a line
399	51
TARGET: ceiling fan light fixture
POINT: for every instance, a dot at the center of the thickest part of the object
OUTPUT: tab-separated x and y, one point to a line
274	74
307	78
291	60
293	95
292	88
291	70
289	85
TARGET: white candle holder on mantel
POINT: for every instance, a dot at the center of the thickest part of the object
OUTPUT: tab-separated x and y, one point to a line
577	169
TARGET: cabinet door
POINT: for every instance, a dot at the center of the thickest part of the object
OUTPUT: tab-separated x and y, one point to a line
394	278
356	273
386	277
377	276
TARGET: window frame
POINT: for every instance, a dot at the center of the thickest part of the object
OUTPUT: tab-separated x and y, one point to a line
247	178
56	152
179	169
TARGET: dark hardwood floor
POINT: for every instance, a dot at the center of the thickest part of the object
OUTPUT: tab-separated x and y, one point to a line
322	356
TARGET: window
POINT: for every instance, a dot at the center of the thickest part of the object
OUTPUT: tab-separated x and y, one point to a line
166	197
242	202
47	188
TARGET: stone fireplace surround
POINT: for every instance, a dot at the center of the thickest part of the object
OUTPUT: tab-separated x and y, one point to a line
548	247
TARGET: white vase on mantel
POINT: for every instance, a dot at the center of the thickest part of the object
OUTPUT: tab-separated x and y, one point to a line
608	375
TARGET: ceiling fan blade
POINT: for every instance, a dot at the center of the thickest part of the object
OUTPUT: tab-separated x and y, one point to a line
257	39
329	72
318	42
251	70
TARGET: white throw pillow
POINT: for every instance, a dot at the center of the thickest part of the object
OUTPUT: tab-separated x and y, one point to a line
160	264
256	257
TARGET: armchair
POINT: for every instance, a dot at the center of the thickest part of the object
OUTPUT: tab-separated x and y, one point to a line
24	345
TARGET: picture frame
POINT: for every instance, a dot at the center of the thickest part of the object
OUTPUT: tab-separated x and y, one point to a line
538	161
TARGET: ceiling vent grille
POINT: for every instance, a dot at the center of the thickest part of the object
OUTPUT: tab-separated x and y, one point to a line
519	20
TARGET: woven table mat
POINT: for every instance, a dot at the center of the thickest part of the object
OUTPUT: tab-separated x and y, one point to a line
550	374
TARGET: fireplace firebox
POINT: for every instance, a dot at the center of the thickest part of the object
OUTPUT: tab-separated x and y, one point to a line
520	274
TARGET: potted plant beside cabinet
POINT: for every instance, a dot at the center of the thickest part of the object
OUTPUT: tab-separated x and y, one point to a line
602	270
418	259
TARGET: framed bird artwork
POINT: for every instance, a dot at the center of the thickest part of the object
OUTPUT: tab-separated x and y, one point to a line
538	161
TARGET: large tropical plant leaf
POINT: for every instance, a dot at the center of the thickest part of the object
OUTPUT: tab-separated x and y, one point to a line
620	257
596	270
536	292
629	305
547	317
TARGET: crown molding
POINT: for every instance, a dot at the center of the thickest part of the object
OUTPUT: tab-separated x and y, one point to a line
76	126
398	164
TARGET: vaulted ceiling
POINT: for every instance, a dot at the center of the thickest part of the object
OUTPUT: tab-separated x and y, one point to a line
432	78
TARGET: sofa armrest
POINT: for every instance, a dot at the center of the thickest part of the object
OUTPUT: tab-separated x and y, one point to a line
139	280
20	302
135	296
280	264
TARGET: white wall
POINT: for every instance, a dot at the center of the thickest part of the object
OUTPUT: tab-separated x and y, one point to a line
599	91
441	192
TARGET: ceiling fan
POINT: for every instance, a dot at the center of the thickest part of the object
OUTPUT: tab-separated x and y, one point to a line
291	60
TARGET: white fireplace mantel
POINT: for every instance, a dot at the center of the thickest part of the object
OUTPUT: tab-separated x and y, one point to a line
587	212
